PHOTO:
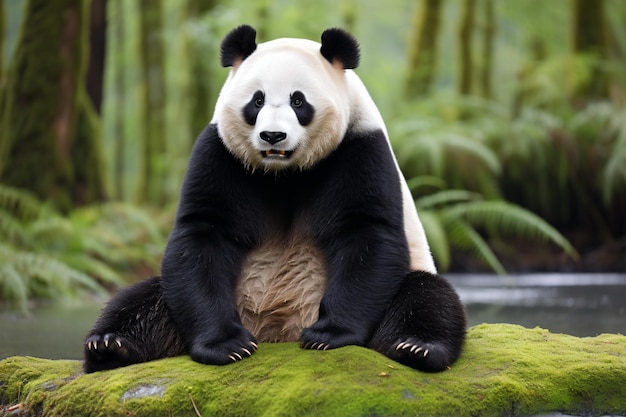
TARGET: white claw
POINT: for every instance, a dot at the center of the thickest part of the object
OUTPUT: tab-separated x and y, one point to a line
238	355
106	341
254	345
400	345
425	352
247	351
313	345
413	348
232	358
321	346
118	342
418	350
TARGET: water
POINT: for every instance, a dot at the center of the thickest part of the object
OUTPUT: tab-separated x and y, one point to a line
577	304
52	331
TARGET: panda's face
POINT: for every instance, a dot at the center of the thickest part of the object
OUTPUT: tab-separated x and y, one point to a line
285	106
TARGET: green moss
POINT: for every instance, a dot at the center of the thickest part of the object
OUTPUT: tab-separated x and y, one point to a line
505	370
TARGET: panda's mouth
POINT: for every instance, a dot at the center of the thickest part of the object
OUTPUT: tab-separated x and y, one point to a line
277	154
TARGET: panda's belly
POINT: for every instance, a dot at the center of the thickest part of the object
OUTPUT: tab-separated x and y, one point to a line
280	289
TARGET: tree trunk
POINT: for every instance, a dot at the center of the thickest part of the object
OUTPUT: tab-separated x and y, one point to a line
119	91
50	141
2	71
465	48
488	42
423	48
589	37
97	43
2	28
154	158
202	92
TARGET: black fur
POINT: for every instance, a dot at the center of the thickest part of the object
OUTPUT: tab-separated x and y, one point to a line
426	315
303	109
239	44
251	110
136	326
350	204
339	45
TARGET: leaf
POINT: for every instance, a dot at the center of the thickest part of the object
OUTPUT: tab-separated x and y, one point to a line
445	197
425	181
463	236
437	238
509	219
21	204
12	285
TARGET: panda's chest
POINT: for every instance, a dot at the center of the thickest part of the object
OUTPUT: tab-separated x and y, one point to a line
280	288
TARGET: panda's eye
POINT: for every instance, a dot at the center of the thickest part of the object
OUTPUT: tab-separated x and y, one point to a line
301	107
253	108
297	99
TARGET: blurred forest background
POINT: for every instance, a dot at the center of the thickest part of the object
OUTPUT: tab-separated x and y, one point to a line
507	117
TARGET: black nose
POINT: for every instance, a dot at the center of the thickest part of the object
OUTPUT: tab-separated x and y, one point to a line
273	137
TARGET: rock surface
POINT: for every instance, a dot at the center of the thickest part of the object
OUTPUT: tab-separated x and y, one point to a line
506	370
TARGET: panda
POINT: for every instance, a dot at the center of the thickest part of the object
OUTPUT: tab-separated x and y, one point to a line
294	224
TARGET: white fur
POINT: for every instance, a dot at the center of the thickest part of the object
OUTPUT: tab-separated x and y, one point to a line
278	68
340	99
365	117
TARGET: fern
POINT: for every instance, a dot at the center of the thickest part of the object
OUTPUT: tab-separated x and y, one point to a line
46	255
509	219
12	284
465	237
614	174
27	274
21	204
451	219
445	197
11	228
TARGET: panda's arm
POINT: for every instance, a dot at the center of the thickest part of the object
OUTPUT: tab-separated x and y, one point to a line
208	243
359	226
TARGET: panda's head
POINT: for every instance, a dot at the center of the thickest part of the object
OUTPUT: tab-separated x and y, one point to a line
287	103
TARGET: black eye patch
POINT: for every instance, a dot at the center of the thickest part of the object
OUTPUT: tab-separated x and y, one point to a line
303	109
254	106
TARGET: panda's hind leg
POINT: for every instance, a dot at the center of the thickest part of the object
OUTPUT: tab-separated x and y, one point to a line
425	324
135	326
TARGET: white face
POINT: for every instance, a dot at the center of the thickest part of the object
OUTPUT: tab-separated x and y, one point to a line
284	106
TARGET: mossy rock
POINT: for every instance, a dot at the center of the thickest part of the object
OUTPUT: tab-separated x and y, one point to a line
506	370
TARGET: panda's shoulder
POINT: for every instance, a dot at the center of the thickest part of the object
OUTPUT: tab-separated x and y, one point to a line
361	151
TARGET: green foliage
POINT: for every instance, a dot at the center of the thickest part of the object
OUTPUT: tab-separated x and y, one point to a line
459	219
46	255
564	165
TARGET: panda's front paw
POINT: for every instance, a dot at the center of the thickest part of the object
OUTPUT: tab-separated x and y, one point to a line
324	337
106	351
224	351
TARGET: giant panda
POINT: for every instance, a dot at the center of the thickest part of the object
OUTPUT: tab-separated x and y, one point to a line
294	224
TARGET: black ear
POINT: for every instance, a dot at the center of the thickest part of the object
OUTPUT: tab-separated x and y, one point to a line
339	46
238	45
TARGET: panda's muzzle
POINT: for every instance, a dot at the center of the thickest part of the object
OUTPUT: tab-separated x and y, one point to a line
273	138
